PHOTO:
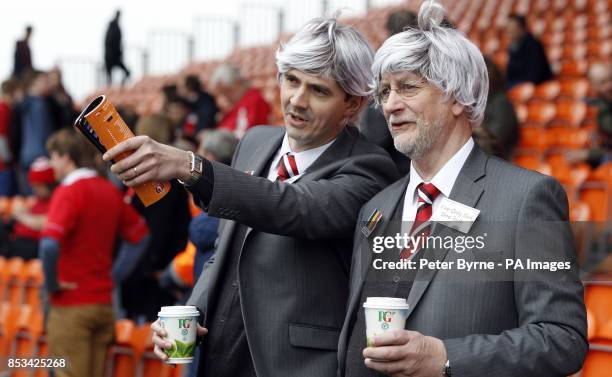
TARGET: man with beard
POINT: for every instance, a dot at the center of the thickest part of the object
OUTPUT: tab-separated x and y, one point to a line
432	85
274	294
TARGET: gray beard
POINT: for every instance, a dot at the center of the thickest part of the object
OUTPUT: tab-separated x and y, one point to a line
422	143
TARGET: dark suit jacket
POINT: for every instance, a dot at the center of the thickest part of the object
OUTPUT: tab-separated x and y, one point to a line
520	324
294	264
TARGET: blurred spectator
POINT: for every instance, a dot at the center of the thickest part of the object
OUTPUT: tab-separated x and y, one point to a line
217	145
202	105
600	76
170	93
399	20
168	221
527	59
36	124
500	118
23	56
7	100
247	107
85	216
373	124
28	217
181	118
61	106
113	50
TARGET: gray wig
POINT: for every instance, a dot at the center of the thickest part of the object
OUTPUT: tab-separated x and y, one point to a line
322	47
442	56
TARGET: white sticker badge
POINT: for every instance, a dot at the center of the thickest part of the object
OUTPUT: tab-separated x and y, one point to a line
455	215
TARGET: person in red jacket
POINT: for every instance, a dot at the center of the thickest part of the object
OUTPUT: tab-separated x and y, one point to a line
245	105
86	215
27	217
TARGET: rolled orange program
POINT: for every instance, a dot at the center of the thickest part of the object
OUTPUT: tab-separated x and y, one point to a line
104	128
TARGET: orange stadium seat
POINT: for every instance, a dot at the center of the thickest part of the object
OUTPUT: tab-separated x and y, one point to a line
599	49
34	281
8	327
574	88
598	196
15	280
547	91
521	112
539	114
574	51
579	211
29	329
122	357
573	68
521	93
598	298
570	113
597	360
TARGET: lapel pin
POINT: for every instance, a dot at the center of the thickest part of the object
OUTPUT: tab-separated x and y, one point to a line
372	222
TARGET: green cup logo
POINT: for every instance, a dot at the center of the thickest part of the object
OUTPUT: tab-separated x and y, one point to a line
184	323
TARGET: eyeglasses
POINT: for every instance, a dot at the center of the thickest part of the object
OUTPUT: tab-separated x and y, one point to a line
405	90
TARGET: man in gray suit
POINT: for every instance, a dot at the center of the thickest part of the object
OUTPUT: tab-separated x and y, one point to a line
274	296
432	85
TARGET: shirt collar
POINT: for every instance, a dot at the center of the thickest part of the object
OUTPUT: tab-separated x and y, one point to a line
78	174
303	159
445	178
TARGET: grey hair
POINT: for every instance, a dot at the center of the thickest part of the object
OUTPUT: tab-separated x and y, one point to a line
225	74
442	56
220	143
322	47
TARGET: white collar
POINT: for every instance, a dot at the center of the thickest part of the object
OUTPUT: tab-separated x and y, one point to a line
303	159
78	174
445	178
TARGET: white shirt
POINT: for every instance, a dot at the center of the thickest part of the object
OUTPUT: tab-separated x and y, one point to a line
78	174
303	159
444	180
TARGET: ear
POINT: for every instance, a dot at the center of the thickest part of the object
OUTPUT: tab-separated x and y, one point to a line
457	108
355	104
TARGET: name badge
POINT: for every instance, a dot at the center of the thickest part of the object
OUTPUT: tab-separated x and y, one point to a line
455	215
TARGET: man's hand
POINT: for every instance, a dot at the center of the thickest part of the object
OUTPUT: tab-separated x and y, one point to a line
161	343
150	161
406	353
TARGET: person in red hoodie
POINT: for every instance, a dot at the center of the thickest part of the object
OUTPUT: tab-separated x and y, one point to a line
245	105
85	216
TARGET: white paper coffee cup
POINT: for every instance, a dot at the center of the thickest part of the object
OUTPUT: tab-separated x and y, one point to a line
180	322
384	314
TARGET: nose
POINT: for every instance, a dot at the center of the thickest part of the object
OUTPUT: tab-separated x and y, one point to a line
393	104
299	98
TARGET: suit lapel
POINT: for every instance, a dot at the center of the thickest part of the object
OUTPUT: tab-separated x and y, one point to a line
340	149
364	257
467	190
263	154
255	166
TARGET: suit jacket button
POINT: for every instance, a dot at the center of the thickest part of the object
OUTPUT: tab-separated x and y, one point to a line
396	279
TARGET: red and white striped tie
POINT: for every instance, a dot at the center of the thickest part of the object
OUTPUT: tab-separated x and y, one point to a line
427	193
287	168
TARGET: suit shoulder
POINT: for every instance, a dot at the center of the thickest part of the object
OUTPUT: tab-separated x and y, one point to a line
259	132
380	198
256	136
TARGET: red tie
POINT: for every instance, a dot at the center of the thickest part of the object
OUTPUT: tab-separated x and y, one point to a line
427	193
287	167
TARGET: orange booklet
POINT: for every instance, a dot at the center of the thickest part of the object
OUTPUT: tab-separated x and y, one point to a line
103	127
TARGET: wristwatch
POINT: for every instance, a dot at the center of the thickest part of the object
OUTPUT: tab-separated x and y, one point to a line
196	165
446	372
